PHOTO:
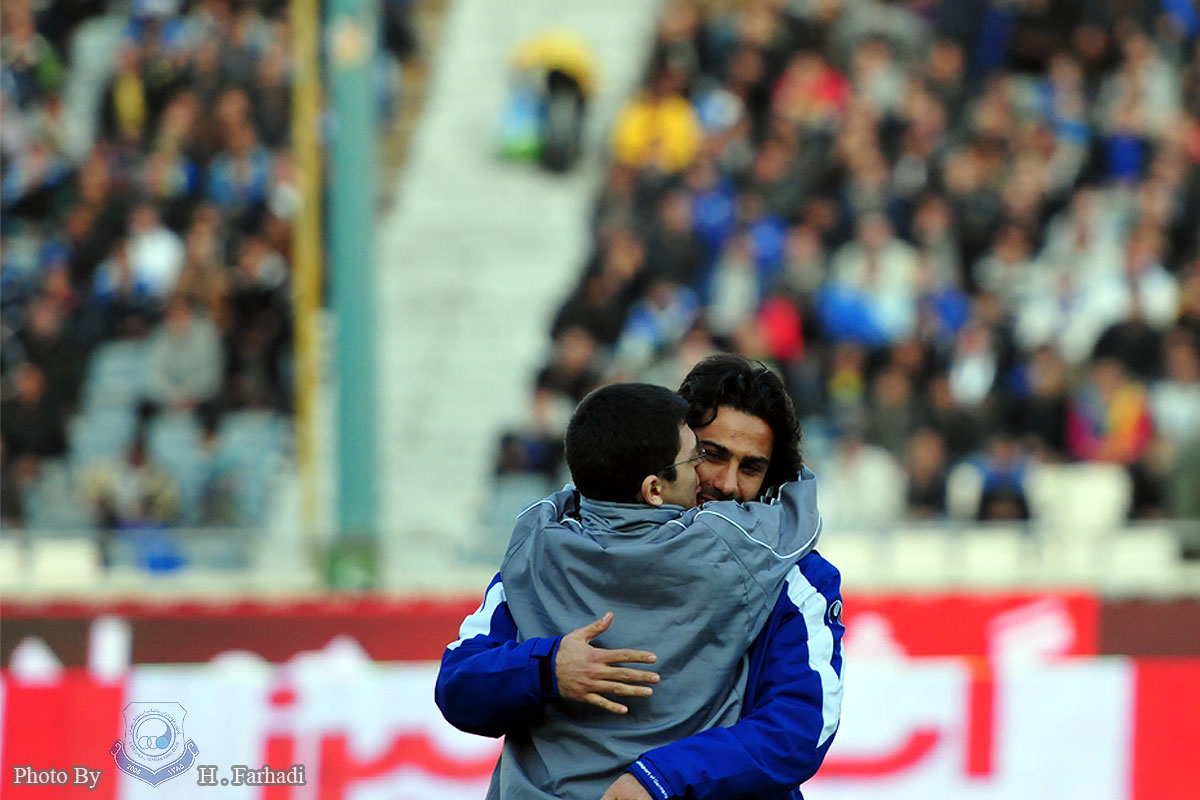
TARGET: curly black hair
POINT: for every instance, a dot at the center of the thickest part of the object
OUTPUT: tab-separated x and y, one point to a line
749	387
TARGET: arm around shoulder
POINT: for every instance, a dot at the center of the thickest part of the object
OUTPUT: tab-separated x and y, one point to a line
489	682
792	705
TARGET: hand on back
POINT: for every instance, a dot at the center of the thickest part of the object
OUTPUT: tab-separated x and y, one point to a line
584	672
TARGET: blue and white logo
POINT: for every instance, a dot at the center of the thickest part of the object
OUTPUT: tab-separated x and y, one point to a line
152	748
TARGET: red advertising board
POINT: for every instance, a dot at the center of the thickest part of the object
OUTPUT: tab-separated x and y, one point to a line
408	630
1104	728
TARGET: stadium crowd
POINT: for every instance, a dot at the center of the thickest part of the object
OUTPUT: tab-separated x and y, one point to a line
147	197
967	234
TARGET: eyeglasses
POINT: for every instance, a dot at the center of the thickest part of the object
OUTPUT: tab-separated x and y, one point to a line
700	456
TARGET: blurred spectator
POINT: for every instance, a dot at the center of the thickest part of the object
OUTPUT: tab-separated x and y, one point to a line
962	431
261	326
131	493
128	306
811	93
658	128
30	62
205	276
125	110
239	176
156	254
32	423
1038	410
779	330
871	293
564	382
673	251
734	290
853	465
990	486
973	366
185	363
1175	406
804	266
893	413
654	324
1109	418
601	301
12	492
272	95
218	481
49	347
1009	270
96	217
926	469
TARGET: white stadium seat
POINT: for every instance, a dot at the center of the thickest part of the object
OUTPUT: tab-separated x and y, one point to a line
64	564
856	554
996	557
923	558
1083	500
1140	560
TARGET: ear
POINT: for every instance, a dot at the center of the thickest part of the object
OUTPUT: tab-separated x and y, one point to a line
651	491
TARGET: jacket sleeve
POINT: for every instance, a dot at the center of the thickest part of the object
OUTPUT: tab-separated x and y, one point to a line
769	536
792	708
767	539
489	683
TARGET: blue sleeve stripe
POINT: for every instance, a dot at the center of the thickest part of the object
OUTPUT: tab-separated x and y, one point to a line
480	622
822	649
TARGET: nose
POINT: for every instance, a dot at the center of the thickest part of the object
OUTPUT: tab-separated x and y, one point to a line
725	481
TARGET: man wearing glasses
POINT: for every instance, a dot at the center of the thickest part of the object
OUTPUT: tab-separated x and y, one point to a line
787	688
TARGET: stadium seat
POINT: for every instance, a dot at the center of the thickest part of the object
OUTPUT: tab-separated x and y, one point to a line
1084	500
64	564
253	442
1139	560
1065	561
12	562
996	556
173	442
922	557
100	432
52	503
116	375
857	555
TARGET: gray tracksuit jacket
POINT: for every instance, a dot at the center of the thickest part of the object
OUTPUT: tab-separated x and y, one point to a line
694	586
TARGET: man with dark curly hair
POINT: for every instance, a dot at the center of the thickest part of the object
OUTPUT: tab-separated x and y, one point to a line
791	701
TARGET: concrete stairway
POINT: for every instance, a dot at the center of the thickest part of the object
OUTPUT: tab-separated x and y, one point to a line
474	258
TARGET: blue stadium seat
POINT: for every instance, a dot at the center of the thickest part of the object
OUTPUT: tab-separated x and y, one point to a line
116	375
254	442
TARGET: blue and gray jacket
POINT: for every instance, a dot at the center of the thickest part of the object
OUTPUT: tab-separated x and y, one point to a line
693	586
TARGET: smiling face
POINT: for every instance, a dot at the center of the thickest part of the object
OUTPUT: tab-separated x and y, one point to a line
738	450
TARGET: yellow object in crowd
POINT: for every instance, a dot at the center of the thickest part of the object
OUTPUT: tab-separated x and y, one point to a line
662	131
129	98
561	50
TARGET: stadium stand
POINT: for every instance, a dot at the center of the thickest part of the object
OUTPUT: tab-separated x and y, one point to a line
146	205
966	234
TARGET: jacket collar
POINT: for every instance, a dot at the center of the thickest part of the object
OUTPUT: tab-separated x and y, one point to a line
625	517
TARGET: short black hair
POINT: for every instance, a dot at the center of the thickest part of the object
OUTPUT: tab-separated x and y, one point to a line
621	433
747	386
